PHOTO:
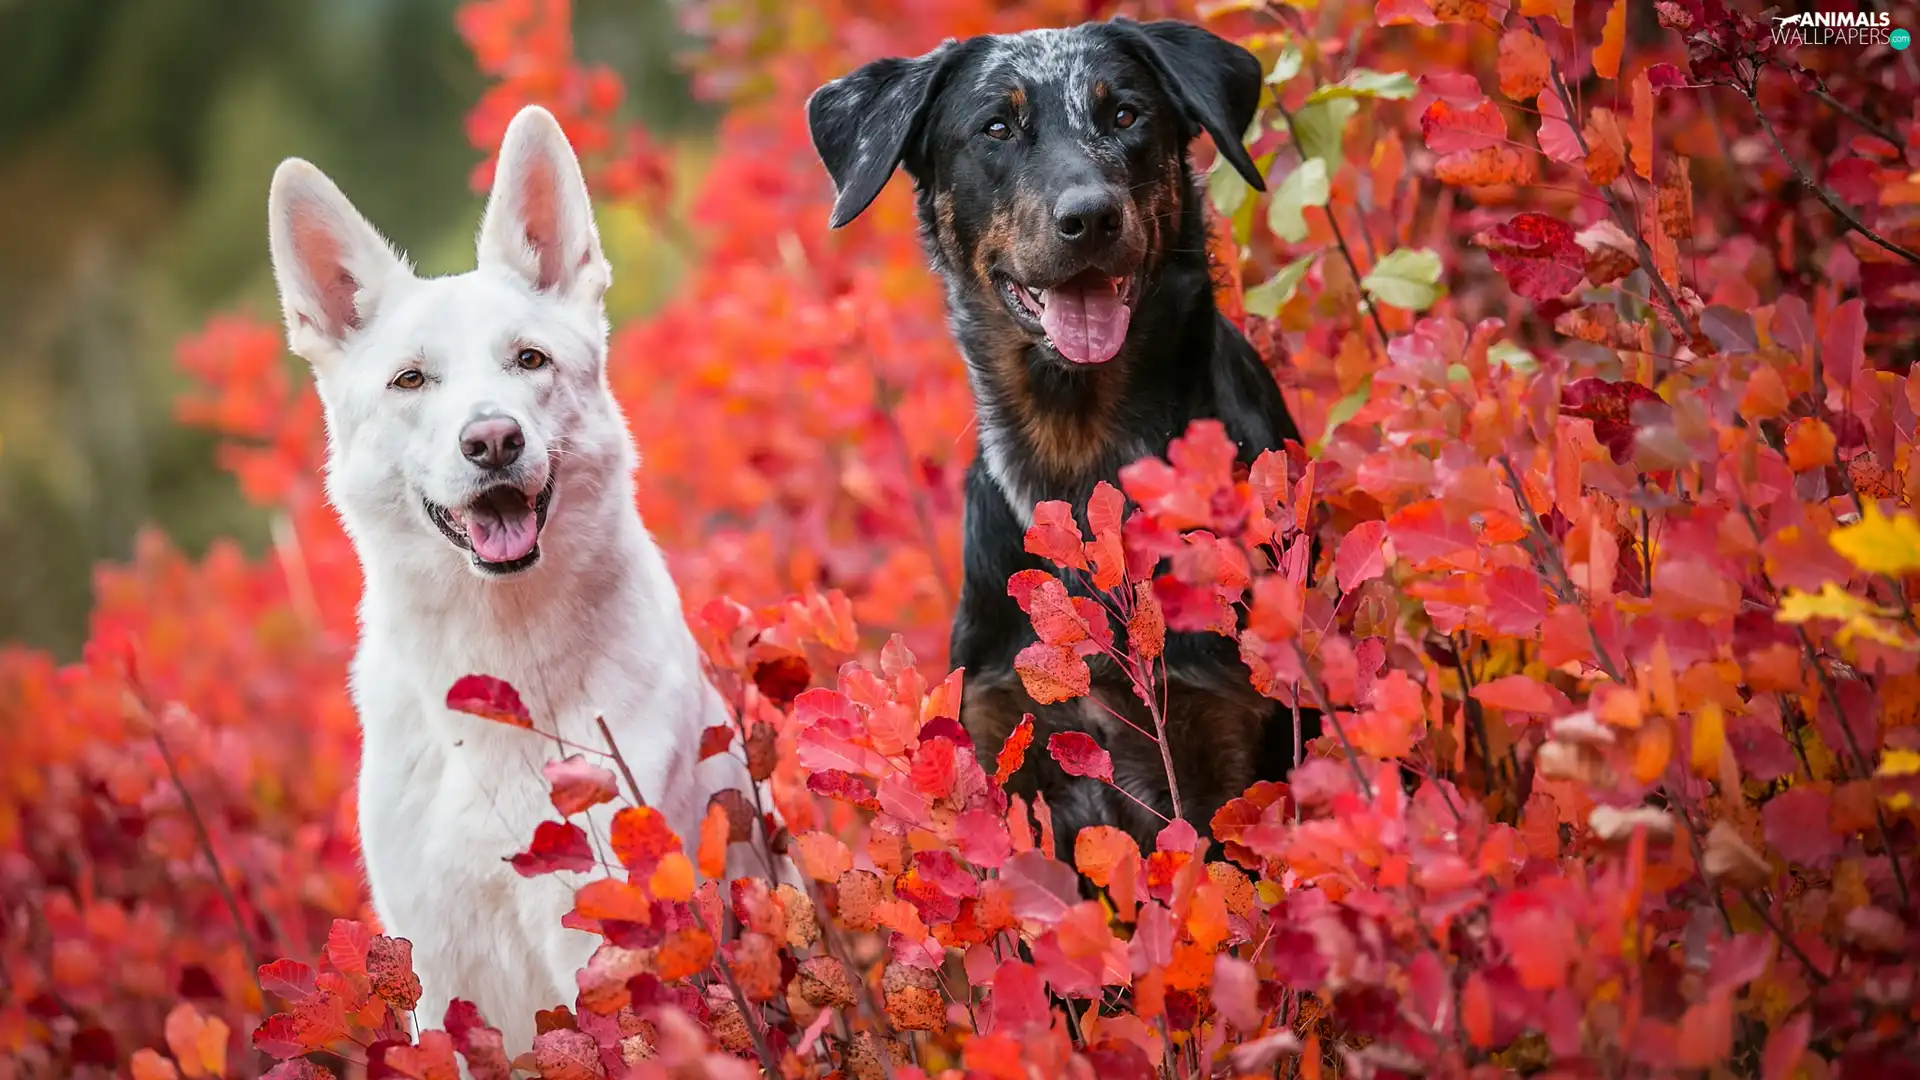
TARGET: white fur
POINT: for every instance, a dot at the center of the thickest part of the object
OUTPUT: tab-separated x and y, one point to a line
593	628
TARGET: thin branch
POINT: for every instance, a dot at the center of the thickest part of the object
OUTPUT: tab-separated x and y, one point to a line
1626	220
1339	237
1871	127
613	749
1820	191
206	840
1333	718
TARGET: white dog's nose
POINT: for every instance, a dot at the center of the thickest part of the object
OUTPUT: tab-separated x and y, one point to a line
492	441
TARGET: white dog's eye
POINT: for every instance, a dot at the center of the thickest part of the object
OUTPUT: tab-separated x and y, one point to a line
532	359
410	379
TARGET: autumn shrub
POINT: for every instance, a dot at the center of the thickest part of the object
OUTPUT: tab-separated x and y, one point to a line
1598	319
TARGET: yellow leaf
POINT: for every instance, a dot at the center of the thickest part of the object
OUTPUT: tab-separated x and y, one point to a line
1899	763
1613	38
1552	9
1862	619
1879	544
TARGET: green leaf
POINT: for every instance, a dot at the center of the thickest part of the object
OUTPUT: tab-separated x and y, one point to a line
1458	373
1267	298
1346	409
1285	66
1509	355
1406	278
1305	186
1226	188
1362	83
1321	128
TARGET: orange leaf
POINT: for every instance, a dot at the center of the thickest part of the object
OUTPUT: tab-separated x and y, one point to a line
715	829
147	1064
1013	752
821	856
673	878
1810	444
1052	673
1640	132
685	952
1523	64
607	898
1613	39
199	1043
1098	849
641	838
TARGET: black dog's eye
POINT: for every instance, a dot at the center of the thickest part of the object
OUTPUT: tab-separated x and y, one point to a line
999	129
410	379
1124	117
532	359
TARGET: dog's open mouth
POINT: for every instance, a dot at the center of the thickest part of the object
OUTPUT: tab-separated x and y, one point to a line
1084	317
500	526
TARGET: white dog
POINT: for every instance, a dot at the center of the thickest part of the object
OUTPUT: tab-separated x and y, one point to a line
484	473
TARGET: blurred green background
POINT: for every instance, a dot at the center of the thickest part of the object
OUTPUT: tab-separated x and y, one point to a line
136	141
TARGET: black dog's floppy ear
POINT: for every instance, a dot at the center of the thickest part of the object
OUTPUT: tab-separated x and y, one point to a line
861	123
1215	81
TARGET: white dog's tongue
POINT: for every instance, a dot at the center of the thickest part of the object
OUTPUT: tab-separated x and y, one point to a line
502	526
1086	318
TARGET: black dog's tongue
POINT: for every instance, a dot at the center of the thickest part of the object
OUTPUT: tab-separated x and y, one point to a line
1086	317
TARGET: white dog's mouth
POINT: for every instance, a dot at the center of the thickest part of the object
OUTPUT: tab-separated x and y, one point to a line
500	526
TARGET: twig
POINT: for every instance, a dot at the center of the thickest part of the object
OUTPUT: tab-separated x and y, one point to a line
1786	942
1339	237
1333	718
206	840
760	1047
1548	558
1820	191
613	751
1869	126
1559	84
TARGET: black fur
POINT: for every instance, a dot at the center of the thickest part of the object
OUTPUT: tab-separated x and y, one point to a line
999	134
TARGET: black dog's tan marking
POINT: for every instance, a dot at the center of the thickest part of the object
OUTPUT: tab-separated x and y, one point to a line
1054	191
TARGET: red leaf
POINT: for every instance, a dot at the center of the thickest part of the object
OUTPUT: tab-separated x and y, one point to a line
1516	601
289	979
390	966
1055	535
302	1069
1557	138
1362	555
489	698
1104	510
347	943
576	784
1079	755
1536	254
481	1045
1798	824
1045	600
567	1054
1043	888
933	771
1785	1047
1610	406
432	1059
844	786
1449	129
1051	673
557	845
1013	752
715	740
1521	693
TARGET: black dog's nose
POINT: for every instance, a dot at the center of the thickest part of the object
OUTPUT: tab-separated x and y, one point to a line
492	441
1087	217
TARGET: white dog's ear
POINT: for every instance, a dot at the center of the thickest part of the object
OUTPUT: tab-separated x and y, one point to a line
539	222
330	264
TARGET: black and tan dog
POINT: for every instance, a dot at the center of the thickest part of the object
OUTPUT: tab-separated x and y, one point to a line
1057	203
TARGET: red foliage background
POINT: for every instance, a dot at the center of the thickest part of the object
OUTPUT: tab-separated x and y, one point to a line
1598	318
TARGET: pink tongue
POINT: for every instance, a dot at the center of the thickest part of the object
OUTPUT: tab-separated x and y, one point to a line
1086	319
501	534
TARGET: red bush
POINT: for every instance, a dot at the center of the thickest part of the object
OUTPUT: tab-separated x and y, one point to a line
1598	321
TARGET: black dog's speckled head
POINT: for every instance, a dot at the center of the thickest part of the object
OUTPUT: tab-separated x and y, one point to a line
1051	168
